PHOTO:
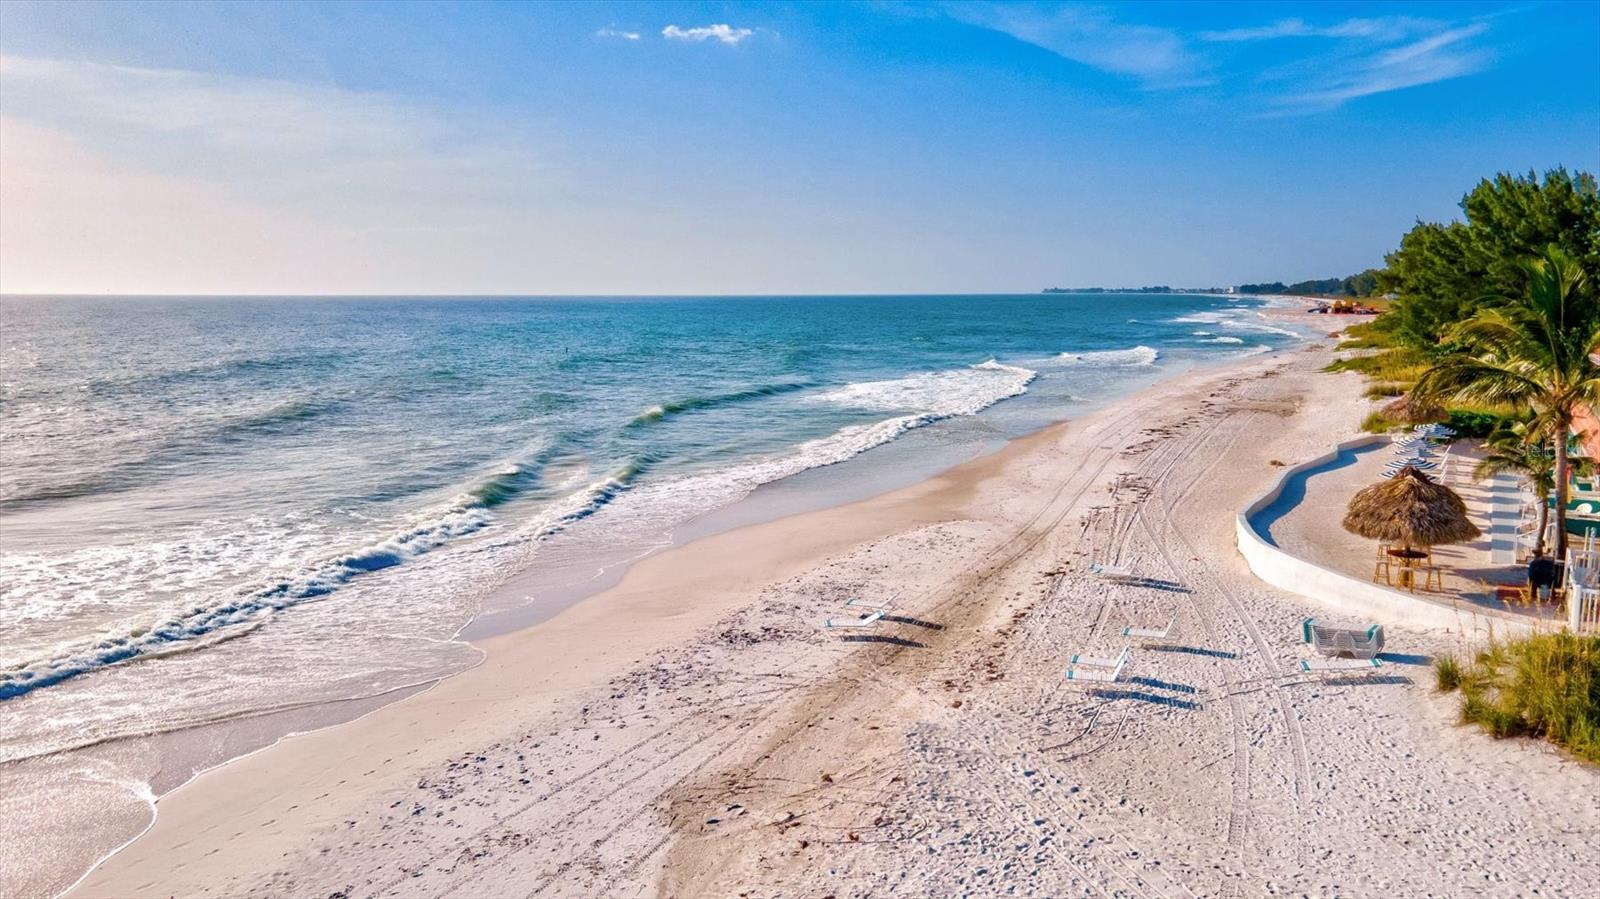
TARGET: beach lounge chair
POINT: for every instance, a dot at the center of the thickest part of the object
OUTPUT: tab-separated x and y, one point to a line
1100	674
1150	634
1115	573
863	621
1339	641
1320	666
1083	661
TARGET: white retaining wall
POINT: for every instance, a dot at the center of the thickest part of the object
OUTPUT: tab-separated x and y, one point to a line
1352	595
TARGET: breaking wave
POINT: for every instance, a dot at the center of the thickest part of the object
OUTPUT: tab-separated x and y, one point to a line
1138	355
202	625
667	410
960	391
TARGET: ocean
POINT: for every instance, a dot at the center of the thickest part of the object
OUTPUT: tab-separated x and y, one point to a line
213	508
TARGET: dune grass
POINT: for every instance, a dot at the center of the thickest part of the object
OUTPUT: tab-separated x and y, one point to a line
1378	423
1383	390
1401	366
1365	337
1546	685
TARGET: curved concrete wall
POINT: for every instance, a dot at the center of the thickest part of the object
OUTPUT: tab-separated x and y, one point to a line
1360	598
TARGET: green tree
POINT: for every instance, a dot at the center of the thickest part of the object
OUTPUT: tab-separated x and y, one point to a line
1445	272
1532	351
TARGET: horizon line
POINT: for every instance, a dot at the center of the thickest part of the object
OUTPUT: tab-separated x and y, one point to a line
602	296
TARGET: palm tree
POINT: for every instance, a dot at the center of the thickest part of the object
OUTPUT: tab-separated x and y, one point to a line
1521	448
1532	352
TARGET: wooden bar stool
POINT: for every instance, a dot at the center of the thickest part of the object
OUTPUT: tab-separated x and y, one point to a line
1384	570
1434	579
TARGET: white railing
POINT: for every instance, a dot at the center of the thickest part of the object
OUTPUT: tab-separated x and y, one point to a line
1583	609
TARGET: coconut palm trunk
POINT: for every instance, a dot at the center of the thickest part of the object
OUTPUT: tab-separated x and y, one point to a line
1544	524
1562	427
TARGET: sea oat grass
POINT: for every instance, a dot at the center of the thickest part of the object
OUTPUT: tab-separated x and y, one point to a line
1377	423
1546	685
1447	673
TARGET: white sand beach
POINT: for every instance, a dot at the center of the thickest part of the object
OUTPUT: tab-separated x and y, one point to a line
695	732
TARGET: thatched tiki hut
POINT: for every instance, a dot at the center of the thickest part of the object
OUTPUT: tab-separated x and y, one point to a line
1415	410
1411	510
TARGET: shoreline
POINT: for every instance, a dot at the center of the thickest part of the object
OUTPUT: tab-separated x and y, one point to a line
488	644
581	756
197	756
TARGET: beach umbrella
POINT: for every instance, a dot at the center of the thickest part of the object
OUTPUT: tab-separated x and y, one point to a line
1411	510
1412	463
1409	408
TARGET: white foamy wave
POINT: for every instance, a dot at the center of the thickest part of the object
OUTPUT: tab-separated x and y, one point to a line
1258	327
1139	355
961	391
1256	350
1224	339
936	395
1201	318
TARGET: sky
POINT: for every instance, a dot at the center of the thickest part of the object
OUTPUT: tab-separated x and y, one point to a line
764	148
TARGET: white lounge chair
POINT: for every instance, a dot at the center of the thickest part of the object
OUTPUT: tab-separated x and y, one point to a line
863	621
1115	573
1339	641
1082	661
1150	634
1098	673
1318	666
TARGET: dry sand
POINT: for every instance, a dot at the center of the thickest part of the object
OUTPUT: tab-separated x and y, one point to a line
693	732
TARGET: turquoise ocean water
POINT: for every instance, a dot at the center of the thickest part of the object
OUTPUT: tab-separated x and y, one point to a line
213	507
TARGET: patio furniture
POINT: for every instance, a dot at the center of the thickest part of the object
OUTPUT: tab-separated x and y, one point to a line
1081	670
1342	641
1150	634
1115	573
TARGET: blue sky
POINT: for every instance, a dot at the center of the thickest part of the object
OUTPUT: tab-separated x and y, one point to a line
760	148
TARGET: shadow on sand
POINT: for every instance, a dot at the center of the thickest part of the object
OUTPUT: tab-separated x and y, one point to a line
1159	584
880	638
1197	651
1161	684
1354	681
1405	658
915	622
1142	696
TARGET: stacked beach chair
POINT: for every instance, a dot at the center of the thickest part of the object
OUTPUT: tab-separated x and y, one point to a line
1342	649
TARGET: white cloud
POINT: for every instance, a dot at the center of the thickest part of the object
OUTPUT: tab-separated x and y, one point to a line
726	34
1435	58
1157	57
119	178
276	140
619	35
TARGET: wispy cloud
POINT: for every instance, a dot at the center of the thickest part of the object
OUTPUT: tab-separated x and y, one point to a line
722	33
1438	57
1333	62
1156	57
1386	28
617	34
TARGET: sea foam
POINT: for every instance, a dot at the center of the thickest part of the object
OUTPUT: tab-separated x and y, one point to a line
1138	355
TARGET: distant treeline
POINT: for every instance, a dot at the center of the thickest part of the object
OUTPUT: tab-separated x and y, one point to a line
1364	284
1159	288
